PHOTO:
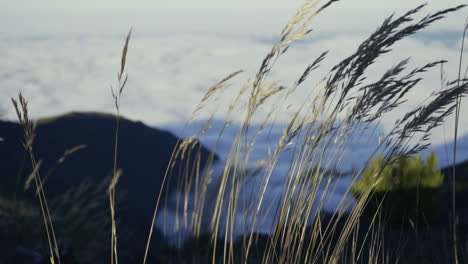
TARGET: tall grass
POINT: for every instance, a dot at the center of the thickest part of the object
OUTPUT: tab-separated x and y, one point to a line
28	129
342	107
457	120
117	173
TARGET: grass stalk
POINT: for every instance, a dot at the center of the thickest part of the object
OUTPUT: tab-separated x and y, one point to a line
455	137
116	95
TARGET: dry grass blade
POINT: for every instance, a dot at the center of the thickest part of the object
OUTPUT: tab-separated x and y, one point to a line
114	181
124	55
31	176
211	91
457	116
28	130
68	152
311	67
116	173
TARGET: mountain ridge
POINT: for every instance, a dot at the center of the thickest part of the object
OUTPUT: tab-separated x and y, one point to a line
143	155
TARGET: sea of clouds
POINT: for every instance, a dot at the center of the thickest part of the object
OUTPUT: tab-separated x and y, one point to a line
360	149
67	61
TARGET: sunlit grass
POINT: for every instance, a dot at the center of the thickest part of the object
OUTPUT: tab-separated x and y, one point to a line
343	107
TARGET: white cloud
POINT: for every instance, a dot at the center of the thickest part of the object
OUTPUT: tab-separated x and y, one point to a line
170	67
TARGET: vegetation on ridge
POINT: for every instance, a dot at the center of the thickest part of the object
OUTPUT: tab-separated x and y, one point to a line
406	191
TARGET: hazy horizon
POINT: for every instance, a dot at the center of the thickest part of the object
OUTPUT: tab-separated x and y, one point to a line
66	60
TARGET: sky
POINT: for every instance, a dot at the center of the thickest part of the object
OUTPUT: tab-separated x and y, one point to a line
203	4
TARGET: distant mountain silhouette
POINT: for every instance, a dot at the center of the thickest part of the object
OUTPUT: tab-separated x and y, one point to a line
445	155
143	156
461	179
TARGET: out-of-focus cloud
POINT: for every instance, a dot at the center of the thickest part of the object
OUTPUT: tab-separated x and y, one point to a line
170	71
66	62
221	4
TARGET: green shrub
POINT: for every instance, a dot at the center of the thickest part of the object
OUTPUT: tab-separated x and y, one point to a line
407	190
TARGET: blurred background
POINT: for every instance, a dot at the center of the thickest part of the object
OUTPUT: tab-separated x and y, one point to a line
64	56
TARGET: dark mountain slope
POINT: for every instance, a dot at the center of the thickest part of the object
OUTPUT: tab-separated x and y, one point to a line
143	156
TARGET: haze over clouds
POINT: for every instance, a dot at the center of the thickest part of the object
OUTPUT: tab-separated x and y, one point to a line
64	58
203	4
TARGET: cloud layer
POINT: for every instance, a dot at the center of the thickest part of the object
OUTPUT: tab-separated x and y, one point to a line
173	59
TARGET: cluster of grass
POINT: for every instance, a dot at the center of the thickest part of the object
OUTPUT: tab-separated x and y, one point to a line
340	108
76	214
